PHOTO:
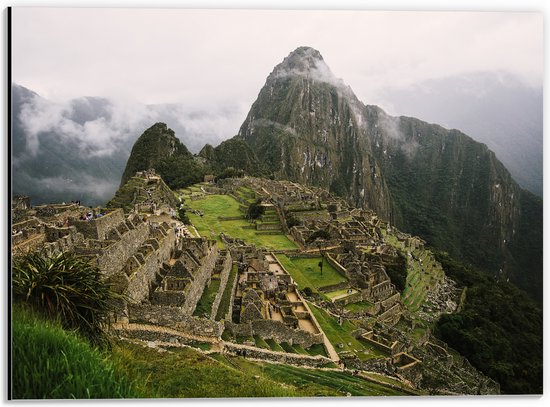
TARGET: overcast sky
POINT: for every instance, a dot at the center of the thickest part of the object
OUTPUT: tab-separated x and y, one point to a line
209	58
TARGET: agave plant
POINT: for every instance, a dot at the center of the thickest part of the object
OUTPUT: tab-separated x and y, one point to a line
65	287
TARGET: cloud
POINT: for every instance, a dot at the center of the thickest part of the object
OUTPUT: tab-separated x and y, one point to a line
100	127
205	57
390	129
94	136
196	127
270	123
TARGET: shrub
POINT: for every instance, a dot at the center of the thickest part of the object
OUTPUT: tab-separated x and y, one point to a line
319	235
182	216
255	210
65	287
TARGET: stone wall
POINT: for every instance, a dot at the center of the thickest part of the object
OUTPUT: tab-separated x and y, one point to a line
175	318
334	287
279	357
98	228
64	243
391	315
140	281
114	258
276	330
339	268
31	244
268	226
201	276
229	315
224	276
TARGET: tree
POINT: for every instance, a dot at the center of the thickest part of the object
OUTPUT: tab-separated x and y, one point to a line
255	210
319	234
182	216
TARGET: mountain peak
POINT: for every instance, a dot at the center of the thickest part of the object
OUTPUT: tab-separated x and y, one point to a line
306	54
306	62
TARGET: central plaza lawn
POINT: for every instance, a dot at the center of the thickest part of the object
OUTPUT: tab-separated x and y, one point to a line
210	226
306	272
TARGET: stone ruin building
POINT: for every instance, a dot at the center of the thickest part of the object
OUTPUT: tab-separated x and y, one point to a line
267	303
163	269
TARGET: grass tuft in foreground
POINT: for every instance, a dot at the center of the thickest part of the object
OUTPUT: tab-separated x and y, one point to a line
50	363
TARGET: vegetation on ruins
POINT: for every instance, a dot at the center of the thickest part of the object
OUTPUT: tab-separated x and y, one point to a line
67	288
230	172
180	172
397	271
498	329
320	234
255	210
51	362
259	309
182	215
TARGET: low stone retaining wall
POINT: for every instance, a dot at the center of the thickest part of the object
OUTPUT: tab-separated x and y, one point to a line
280	357
339	268
174	317
276	330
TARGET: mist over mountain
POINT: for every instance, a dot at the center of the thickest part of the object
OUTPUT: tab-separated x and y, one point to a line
78	149
494	108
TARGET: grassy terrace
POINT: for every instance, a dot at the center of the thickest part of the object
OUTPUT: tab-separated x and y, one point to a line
226	298
247	194
421	276
204	306
306	272
341	334
359	306
309	382
209	225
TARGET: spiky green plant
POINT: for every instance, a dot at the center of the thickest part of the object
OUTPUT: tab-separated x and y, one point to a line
65	287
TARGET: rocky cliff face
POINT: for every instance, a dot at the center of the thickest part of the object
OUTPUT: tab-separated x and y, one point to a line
446	187
307	126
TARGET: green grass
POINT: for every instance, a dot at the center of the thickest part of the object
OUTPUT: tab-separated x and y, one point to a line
226	297
306	272
414	294
242	339
204	306
299	349
209	225
336	333
337	293
418	280
317	349
51	363
260	343
358	306
311	382
274	345
287	347
342	334
185	372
